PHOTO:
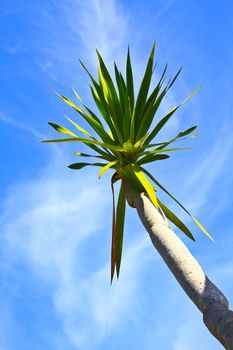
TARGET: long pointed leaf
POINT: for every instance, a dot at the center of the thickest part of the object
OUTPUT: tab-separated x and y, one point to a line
77	96
160	124
152	158
106	167
91	142
170	195
144	88
81	165
115	178
176	221
161	150
62	129
120	219
79	128
180	135
92	119
146	184
103	106
149	112
174	79
129	80
80	154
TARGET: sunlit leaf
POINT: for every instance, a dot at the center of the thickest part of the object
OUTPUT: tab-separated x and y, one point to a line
106	167
77	96
120	133
191	95
91	142
146	184
170	195
79	128
62	129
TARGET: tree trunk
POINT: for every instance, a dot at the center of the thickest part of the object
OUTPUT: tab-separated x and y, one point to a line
205	295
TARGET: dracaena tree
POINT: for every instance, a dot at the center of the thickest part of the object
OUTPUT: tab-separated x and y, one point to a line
122	137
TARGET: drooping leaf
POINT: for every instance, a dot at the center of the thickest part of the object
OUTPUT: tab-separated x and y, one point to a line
202	228
146	184
170	195
175	220
120	219
128	175
115	178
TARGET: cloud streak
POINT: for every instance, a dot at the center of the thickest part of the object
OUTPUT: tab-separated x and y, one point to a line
209	171
49	215
21	125
102	24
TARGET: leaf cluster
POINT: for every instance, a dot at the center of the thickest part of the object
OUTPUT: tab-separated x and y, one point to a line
128	143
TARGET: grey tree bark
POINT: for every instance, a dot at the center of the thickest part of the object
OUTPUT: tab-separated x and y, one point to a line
204	294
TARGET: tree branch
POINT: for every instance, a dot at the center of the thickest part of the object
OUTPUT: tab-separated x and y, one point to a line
204	294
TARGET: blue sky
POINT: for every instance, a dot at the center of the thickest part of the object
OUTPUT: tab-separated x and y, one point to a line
56	223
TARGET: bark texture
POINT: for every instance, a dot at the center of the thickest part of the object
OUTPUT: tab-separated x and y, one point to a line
204	294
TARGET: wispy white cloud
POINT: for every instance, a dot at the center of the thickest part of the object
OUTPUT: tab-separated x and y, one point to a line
87	25
161	12
21	125
101	24
209	170
57	227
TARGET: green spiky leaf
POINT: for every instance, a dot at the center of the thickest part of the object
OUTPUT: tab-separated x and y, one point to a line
120	219
120	135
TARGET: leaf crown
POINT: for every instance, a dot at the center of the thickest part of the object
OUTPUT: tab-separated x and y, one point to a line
127	145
